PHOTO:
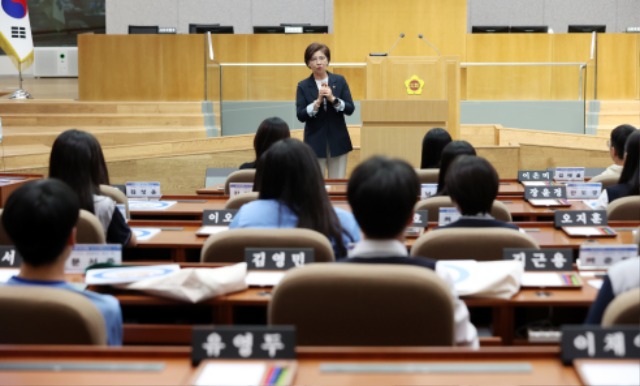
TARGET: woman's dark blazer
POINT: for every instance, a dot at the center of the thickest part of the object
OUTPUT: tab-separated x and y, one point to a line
326	127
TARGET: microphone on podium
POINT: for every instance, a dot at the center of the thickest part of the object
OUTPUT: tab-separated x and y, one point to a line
390	49
421	37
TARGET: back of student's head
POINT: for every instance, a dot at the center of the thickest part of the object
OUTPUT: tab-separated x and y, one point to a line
631	170
473	184
76	158
270	131
432	144
619	137
449	154
382	193
39	217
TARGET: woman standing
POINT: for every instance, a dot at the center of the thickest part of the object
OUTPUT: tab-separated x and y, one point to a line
322	100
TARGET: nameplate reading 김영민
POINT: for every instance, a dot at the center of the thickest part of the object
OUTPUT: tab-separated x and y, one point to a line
583	190
85	255
277	258
603	256
428	190
548	259
592	341
10	257
534	175
537	192
236	188
569	174
563	218
243	342
218	217
148	190
447	216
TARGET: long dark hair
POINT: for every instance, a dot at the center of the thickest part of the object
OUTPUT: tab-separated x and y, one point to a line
289	172
449	153
270	131
630	174
76	158
432	144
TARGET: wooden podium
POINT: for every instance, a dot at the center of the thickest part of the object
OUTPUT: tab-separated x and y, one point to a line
405	97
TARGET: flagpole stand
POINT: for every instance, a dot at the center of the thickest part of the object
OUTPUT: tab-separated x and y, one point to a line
20	93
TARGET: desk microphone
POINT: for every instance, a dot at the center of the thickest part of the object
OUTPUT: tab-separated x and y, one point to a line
421	37
390	49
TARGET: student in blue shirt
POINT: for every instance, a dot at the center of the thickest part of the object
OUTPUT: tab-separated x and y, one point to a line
40	217
292	195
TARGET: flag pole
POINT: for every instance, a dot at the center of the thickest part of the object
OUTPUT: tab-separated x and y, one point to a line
20	93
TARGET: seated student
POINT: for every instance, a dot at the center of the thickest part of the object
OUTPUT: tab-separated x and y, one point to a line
622	277
449	154
617	140
76	158
292	194
40	218
270	131
473	183
382	193
432	144
629	182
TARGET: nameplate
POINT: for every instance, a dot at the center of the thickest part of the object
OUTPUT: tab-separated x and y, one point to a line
143	190
242	342
10	257
447	216
419	224
583	190
569	174
536	192
278	258
591	341
563	218
428	190
85	255
218	217
534	175
293	29
548	259
236	188
603	256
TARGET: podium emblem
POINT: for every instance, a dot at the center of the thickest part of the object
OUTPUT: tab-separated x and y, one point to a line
414	85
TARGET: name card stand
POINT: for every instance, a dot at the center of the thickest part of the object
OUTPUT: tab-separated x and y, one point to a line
85	255
546	195
277	259
143	190
566	174
583	223
236	188
447	216
597	257
583	190
11	258
545	268
531	177
215	221
420	223
428	190
591	341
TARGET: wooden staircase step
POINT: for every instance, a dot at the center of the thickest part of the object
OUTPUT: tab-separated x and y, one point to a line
74	107
71	120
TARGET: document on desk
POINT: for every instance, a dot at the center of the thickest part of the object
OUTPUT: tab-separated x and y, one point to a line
144	234
6	274
445	367
551	280
264	278
609	372
232	374
122	275
493	279
150	205
209	230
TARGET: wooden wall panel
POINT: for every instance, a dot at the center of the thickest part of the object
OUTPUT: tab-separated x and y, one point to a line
619	66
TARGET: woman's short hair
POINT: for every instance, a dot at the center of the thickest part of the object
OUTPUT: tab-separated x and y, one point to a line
270	131
432	144
449	153
315	47
472	183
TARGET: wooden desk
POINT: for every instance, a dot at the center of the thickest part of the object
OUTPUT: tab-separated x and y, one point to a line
12	181
545	363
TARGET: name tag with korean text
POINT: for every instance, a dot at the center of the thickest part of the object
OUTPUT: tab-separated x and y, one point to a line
447	216
563	218
236	188
534	175
243	342
85	255
10	257
218	217
544	192
548	259
419	224
565	174
603	256
590	341
276	259
148	190
428	190
583	190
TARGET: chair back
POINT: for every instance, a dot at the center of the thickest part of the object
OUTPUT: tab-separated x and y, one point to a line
244	175
229	246
625	208
44	315
364	305
624	309
470	243
237	201
606	180
4	237
89	229
428	176
433	204
116	195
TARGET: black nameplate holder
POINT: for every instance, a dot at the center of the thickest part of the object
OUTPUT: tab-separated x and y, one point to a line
419	224
242	342
534	175
277	259
563	218
596	342
548	259
218	217
10	257
545	192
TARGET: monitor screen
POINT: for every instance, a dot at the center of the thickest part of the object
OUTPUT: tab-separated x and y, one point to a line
268	29
143	29
587	28
529	29
489	29
213	28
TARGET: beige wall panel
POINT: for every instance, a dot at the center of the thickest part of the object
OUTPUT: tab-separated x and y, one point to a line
512	137
357	79
618	66
565	81
479	135
546	156
503	158
364	26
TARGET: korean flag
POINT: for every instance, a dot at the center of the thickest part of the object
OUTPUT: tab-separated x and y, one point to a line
15	32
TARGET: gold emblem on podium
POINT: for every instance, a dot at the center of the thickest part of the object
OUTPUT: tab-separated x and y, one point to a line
414	85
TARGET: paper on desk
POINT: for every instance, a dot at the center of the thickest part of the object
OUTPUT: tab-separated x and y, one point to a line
610	373
150	205
232	374
541	279
8	273
493	279
546	202
144	234
208	230
264	278
123	275
596	283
